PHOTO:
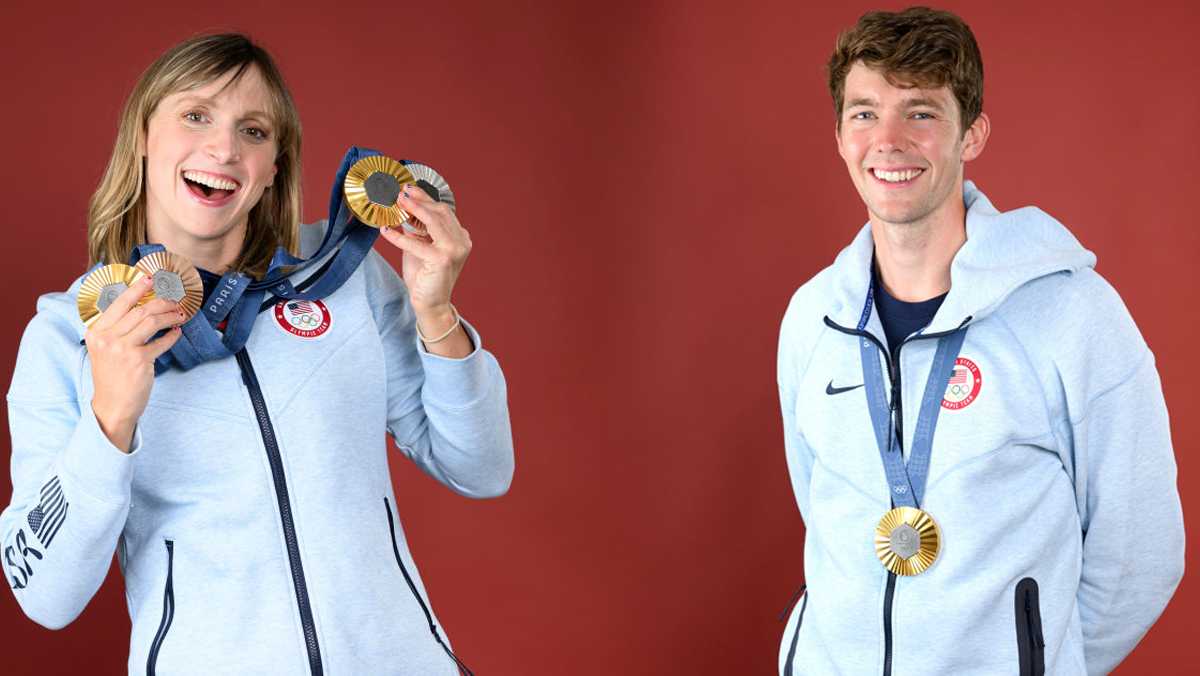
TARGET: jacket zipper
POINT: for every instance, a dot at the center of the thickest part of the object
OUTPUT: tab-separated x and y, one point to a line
285	509
462	668
897	411
168	611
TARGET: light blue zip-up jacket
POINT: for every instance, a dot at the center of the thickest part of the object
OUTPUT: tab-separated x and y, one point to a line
1054	485
254	519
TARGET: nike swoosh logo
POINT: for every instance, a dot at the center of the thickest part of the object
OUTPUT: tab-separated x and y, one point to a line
830	389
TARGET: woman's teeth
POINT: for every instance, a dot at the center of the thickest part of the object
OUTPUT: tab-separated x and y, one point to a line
896	176
209	186
210	180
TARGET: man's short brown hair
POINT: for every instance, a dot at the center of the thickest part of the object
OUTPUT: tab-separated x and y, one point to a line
919	47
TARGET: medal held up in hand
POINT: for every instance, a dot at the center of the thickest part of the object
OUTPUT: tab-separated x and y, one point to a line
175	278
373	185
102	287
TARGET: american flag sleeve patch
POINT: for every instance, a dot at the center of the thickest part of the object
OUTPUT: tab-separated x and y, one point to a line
45	519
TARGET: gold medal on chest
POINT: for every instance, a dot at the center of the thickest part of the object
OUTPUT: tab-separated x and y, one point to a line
907	541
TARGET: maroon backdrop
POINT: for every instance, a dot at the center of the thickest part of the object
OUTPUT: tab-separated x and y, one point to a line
646	186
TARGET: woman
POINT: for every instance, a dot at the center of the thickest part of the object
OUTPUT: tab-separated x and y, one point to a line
248	496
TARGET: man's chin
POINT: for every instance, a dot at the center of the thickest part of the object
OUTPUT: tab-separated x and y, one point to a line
897	214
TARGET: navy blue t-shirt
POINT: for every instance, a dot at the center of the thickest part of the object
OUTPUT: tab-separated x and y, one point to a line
901	318
210	281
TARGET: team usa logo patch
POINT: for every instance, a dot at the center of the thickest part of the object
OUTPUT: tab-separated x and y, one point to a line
307	319
965	382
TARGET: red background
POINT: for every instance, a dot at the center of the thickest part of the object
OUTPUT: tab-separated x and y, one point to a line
646	186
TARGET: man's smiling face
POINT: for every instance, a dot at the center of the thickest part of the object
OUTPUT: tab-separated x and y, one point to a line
904	146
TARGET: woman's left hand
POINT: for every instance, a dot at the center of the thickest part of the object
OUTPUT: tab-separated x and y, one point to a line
432	263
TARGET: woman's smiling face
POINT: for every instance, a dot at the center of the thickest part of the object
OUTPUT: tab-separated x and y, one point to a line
210	154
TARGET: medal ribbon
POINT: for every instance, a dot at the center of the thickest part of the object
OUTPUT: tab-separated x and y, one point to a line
906	483
239	298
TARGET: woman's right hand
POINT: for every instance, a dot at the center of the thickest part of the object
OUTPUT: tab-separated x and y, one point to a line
122	360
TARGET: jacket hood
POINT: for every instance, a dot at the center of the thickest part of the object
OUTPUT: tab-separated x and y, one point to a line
1003	251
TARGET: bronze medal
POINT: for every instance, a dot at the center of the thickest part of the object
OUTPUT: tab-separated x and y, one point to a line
175	278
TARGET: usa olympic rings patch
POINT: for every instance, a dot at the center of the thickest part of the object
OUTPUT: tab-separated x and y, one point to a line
308	319
965	382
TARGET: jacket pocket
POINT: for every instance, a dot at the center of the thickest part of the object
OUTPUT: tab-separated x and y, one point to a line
462	668
791	653
1031	646
168	613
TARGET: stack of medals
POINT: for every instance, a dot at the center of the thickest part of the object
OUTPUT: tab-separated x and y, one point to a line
175	279
373	185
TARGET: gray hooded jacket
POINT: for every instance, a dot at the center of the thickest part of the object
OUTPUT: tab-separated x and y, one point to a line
254	518
1051	476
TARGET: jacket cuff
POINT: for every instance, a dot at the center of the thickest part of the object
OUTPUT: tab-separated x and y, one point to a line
456	383
95	465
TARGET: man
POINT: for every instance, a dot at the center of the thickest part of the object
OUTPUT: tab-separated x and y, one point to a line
975	429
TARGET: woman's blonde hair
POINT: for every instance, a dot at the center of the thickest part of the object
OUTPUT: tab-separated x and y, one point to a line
117	210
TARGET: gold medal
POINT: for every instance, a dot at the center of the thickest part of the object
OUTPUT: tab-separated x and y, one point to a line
101	288
907	541
371	188
175	278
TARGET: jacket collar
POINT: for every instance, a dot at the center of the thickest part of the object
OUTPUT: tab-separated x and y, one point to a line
1003	251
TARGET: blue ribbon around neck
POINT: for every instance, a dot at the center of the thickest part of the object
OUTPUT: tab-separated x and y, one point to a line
906	483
